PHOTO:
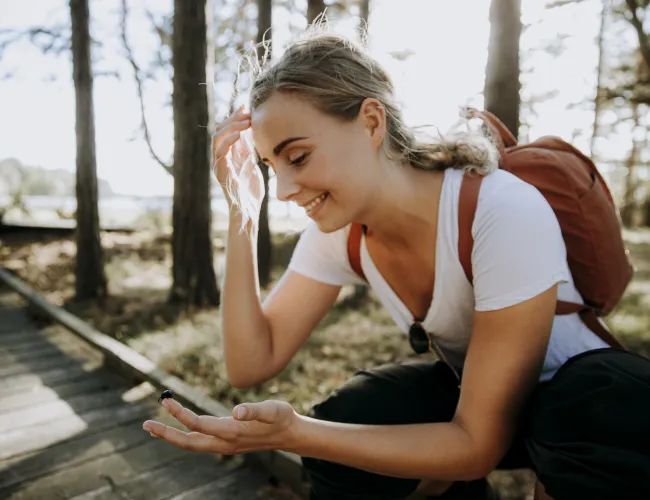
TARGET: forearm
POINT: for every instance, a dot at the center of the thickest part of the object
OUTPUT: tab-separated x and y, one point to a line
441	451
246	333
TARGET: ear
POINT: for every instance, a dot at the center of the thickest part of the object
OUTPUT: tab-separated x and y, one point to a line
372	116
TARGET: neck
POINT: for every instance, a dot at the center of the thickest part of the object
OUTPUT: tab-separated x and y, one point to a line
404	208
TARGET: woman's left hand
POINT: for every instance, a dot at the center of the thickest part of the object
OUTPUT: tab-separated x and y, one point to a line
253	426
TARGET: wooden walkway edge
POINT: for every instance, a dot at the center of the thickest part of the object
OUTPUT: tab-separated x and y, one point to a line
71	413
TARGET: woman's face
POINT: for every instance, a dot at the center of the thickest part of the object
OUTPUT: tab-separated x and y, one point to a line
326	165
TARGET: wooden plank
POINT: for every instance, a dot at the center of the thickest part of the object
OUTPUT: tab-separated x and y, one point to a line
26	337
45	394
243	484
14	321
175	477
38	366
18	442
52	378
53	410
8	356
115	469
72	452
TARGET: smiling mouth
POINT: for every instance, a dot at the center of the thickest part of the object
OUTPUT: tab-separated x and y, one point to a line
315	202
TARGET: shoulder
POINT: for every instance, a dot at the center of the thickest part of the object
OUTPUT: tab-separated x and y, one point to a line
324	256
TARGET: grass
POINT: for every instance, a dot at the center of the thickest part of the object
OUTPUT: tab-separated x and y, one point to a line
189	344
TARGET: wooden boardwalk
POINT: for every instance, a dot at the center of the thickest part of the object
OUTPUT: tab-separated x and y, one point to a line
69	428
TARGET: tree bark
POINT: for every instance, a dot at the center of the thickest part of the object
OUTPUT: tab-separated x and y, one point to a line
90	277
194	280
502	85
628	209
314	8
264	243
599	78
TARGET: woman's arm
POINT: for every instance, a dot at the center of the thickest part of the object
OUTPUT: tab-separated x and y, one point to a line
502	367
260	339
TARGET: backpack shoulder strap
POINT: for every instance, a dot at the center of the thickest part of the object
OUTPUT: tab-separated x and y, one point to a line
354	248
467	203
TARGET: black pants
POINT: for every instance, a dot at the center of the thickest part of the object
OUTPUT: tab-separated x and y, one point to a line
585	433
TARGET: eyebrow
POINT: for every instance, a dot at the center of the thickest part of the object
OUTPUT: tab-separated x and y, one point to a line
278	149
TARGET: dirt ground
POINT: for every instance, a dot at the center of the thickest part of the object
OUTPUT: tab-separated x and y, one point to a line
188	344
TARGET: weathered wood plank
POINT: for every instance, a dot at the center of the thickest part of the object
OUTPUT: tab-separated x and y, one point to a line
42	365
17	442
115	469
72	452
14	320
243	484
53	410
45	394
182	474
8	356
51	378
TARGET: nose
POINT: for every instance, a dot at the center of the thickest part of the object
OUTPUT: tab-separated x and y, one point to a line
286	186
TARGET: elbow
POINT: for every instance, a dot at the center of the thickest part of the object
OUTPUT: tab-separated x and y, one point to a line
481	464
242	380
245	380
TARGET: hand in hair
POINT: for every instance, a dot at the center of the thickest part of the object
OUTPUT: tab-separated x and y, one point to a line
235	166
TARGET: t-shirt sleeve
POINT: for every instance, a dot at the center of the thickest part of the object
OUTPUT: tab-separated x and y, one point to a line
323	257
518	250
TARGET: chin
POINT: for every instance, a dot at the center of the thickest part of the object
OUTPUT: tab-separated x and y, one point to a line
331	224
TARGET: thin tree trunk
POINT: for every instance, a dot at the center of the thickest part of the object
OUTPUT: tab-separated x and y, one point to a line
90	277
599	78
314	9
210	66
194	281
502	85
629	203
264	243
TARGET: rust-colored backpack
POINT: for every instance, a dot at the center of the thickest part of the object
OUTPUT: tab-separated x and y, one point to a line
583	205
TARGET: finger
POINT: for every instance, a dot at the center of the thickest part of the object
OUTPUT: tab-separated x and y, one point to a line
205	424
239	125
267	412
222	149
192	441
238	118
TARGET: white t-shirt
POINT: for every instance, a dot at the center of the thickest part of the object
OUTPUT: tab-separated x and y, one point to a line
518	253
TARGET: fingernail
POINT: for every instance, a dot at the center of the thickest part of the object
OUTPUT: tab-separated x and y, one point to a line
146	428
241	412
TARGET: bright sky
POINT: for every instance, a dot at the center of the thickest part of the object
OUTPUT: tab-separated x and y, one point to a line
448	38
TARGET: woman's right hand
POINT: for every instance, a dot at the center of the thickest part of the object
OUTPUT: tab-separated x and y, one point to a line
235	164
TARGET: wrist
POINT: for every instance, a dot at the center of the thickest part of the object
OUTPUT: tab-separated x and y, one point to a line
297	439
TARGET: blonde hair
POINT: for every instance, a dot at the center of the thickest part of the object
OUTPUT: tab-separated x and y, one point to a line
336	75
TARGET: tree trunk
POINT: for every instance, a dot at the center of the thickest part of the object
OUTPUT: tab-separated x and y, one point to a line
629	197
599	78
194	281
90	277
502	85
264	244
314	9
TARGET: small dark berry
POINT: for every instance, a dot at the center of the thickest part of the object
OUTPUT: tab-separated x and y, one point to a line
166	394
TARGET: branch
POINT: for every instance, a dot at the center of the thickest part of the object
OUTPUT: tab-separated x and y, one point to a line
561	3
138	80
638	26
55	39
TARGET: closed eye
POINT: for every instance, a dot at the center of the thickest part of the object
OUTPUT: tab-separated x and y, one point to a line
300	160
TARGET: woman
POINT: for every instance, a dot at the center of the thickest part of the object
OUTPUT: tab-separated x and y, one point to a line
535	390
